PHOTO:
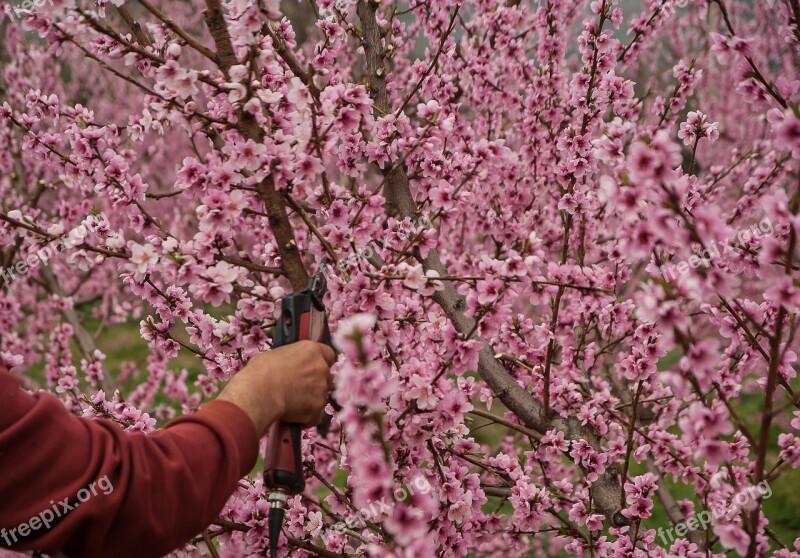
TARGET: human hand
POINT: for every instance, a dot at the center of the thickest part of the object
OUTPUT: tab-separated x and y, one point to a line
287	384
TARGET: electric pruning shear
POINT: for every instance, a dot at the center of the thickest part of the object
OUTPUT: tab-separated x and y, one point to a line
302	317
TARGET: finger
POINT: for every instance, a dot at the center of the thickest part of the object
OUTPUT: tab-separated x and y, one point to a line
328	354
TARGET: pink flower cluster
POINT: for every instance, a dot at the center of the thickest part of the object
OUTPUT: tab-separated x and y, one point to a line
515	176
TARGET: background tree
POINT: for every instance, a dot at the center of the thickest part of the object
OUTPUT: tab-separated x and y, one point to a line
561	240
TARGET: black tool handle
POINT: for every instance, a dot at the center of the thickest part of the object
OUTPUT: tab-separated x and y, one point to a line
301	318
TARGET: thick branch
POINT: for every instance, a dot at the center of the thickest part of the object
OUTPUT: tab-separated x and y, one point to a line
606	490
178	30
284	234
141	35
397	192
273	200
215	20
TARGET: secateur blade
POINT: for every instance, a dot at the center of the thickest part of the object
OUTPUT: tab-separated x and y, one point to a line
317	286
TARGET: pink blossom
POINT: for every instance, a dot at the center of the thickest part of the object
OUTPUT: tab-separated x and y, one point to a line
654	161
567	214
789	131
143	257
732	537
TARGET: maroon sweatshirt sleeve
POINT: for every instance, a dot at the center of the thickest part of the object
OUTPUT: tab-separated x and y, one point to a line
87	488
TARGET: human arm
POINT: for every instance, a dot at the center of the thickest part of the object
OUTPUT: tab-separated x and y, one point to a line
152	492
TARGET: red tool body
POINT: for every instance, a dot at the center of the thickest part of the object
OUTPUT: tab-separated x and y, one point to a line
302	317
